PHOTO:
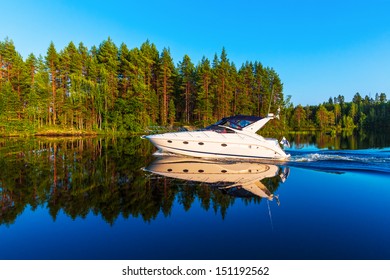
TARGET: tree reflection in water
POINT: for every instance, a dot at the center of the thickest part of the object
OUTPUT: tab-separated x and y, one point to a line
103	176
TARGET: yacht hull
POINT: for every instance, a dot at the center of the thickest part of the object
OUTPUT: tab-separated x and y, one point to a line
210	144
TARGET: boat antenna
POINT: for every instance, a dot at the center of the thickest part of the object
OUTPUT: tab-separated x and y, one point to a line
270	215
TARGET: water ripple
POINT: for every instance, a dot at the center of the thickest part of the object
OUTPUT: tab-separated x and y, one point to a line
340	161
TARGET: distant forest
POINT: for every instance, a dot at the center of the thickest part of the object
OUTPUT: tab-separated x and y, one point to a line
111	89
367	114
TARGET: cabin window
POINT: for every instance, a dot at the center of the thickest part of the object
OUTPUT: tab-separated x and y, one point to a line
224	145
169	170
201	143
169	141
227	130
185	142
185	170
223	171
200	171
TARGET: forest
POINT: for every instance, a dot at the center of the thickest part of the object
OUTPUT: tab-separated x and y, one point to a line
118	90
363	114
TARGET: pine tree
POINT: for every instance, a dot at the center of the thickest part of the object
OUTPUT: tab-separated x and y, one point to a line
322	117
204	99
30	88
221	85
107	56
150	60
52	61
165	83
244	102
259	87
186	71
17	75
299	117
43	89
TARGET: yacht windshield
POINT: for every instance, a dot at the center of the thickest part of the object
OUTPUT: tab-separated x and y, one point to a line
235	122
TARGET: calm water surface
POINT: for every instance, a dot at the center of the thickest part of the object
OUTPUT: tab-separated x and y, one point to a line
89	198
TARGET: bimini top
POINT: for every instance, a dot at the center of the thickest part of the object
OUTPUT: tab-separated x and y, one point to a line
236	122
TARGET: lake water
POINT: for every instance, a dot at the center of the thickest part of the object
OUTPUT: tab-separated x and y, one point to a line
91	198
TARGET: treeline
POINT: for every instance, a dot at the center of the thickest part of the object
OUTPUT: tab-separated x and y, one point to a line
369	114
114	89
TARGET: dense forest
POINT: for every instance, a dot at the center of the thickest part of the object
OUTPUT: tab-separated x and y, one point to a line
367	114
111	89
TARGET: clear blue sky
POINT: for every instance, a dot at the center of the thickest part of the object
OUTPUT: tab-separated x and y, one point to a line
320	49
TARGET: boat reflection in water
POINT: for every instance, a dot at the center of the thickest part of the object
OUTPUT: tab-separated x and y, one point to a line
240	179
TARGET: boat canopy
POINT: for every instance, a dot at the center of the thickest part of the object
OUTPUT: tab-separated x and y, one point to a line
235	122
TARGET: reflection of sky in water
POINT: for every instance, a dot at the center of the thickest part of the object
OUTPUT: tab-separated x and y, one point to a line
333	205
321	216
335	216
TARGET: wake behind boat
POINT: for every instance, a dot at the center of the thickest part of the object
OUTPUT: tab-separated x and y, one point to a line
231	137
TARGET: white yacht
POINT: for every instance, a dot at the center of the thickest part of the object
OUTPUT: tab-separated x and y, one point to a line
232	137
226	175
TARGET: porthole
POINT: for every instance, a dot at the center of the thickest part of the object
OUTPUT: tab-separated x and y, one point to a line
169	141
185	142
200	171
169	170
223	171
223	145
201	143
185	170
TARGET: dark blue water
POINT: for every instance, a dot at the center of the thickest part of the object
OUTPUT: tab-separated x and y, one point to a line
102	200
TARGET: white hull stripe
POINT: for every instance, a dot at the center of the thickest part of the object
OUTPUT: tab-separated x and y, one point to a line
217	154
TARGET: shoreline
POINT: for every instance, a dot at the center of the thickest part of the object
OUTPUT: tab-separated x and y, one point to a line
66	133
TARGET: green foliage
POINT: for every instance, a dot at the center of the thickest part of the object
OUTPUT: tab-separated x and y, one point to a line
362	114
107	89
